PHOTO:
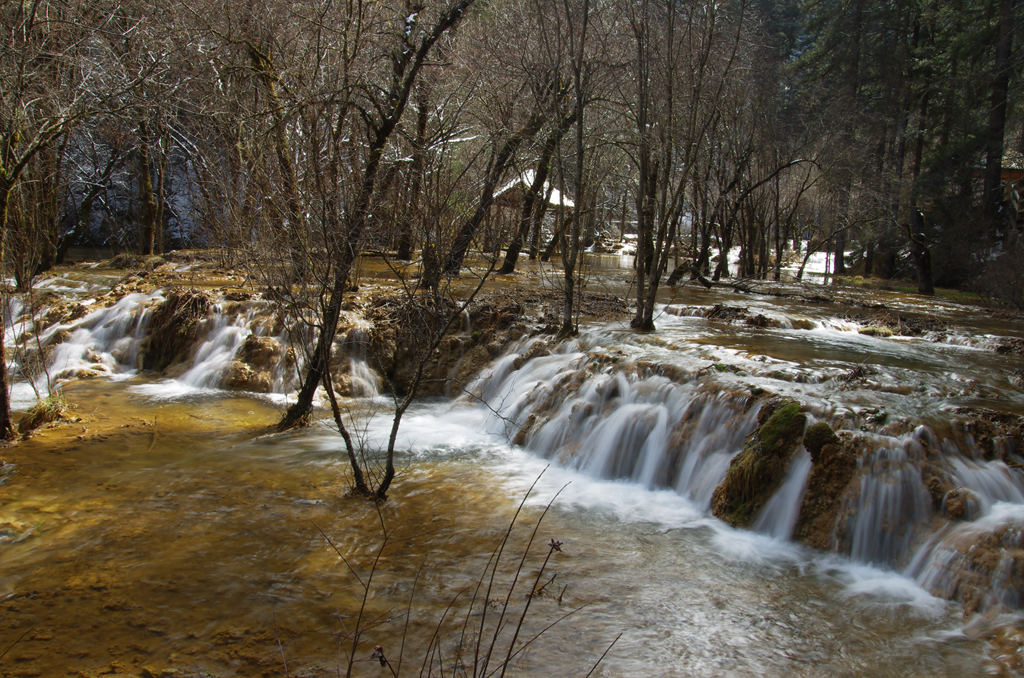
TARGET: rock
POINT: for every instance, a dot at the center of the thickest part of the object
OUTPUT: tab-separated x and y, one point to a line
64	311
876	331
127	260
727	313
14	532
1011	346
761	320
174	327
834	467
261	353
240	376
983	569
817	436
960	504
936	481
403	327
467	367
758	470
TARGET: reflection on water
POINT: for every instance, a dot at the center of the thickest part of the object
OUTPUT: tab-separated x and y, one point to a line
172	535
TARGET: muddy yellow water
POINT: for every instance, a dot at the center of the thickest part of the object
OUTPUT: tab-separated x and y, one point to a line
180	538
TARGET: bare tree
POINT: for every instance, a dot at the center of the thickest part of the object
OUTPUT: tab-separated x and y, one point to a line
54	72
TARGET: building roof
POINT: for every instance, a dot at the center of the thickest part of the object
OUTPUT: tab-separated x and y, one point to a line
525	180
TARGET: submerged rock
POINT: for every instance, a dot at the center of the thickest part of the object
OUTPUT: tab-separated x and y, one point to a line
759	469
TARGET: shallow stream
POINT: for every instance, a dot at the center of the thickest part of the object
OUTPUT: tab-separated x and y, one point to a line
167	533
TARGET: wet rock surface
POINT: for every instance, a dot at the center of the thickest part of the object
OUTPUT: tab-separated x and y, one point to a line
834	465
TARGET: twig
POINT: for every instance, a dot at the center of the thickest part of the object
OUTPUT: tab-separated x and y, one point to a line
603	655
280	648
343	559
152	442
16	641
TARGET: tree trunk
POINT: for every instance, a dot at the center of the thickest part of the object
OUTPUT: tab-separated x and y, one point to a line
995	129
405	71
496	169
147	202
419	152
921	253
6	426
534	194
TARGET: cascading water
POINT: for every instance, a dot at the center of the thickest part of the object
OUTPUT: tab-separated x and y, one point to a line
362	380
886	516
615	414
609	417
779	515
223	337
106	341
581	410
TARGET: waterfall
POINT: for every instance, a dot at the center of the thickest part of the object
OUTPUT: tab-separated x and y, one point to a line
362	381
614	421
989	481
108	340
974	561
779	515
222	339
618	409
885	518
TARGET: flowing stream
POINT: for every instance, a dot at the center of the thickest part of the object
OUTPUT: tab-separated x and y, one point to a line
168	531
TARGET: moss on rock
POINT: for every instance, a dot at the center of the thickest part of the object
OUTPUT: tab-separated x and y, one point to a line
759	469
817	436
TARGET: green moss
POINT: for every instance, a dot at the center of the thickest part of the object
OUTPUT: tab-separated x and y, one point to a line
782	428
817	436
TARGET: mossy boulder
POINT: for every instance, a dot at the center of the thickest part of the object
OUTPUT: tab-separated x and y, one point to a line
174	328
817	436
758	470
